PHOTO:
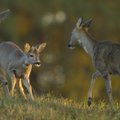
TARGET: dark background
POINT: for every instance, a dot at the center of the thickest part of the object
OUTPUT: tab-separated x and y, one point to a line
63	72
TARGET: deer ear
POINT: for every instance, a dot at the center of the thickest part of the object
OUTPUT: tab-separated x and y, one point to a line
41	47
26	47
79	23
4	15
87	23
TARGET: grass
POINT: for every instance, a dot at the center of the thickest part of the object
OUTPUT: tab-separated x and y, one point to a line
49	107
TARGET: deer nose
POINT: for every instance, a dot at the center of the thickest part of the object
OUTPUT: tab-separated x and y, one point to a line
37	64
69	45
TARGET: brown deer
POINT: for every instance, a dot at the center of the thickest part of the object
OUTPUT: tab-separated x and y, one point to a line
18	64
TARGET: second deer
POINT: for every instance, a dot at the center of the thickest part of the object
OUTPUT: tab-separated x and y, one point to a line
105	55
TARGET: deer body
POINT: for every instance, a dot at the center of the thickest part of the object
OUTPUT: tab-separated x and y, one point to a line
11	57
105	55
109	55
12	61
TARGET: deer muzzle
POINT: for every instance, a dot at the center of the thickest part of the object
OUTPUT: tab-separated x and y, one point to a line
37	64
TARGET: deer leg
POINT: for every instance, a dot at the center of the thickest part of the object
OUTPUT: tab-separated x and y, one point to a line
28	86
13	83
5	86
108	87
94	76
21	89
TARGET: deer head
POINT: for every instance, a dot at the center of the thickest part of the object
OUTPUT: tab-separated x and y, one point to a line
76	33
33	53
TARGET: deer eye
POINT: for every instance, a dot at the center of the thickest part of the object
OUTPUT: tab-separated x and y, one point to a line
31	55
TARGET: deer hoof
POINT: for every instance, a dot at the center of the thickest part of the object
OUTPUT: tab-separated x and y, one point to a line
89	101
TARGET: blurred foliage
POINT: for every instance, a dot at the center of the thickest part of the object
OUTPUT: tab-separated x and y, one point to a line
63	71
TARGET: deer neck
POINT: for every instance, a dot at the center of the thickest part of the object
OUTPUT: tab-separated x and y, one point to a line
87	42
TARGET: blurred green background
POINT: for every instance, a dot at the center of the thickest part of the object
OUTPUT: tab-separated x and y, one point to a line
63	72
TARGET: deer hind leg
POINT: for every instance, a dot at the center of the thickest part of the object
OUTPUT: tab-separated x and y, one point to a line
21	89
108	86
29	87
13	81
94	76
5	86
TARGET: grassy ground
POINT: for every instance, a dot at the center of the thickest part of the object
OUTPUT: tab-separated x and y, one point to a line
48	107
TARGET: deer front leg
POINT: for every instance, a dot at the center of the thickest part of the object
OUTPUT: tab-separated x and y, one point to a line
26	83
21	88
94	76
13	83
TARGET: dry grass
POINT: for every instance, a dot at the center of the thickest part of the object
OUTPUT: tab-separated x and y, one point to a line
49	107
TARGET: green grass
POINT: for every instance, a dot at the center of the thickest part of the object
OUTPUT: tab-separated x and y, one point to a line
49	107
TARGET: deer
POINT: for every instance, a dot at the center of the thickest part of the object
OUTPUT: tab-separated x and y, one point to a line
105	55
17	64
